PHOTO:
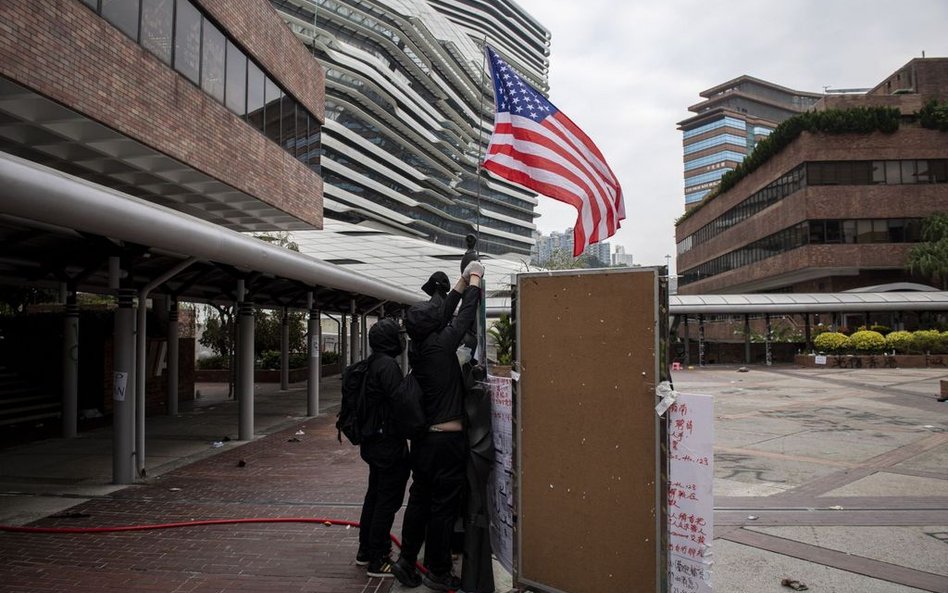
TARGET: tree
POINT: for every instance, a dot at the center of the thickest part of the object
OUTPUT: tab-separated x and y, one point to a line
929	259
503	334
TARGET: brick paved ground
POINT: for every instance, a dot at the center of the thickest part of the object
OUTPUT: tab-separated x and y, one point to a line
315	477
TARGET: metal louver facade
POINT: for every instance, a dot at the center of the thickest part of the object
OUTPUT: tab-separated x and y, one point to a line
409	111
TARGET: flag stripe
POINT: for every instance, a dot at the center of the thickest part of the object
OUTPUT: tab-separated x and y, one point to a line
536	145
529	137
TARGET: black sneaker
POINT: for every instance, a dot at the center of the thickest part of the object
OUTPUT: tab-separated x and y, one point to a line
381	568
406	573
362	557
441	582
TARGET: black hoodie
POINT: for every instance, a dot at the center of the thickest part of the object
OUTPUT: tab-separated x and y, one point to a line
384	374
433	352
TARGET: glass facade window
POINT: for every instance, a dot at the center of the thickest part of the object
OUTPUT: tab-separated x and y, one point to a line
214	51
715	141
820	174
236	93
719	157
122	14
157	28
272	110
256	88
812	232
178	33
706	177
187	41
727	121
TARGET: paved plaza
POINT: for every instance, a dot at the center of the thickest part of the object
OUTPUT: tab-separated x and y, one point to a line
835	478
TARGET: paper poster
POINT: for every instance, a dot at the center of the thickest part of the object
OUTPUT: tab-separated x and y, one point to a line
500	492
119	384
690	493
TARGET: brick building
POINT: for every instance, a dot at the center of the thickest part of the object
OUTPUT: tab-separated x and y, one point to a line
210	107
829	212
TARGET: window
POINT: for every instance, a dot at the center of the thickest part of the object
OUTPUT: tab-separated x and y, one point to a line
256	88
288	124
893	172
236	96
212	67
122	14
187	41
93	4
274	100
157	25
908	172
878	171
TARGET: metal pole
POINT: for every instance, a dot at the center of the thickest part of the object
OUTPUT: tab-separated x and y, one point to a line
315	356
174	333
285	350
245	369
747	339
687	344
363	335
141	354
123	418
355	355
701	340
807	333
768	338
70	365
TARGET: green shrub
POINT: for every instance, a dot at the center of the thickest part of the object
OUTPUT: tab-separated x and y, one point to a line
831	342
867	341
900	341
214	362
329	357
882	329
926	340
934	116
270	359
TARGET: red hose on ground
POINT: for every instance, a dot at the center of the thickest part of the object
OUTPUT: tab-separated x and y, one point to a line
120	528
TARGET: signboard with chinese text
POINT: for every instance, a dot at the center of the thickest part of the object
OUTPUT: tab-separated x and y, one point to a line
500	490
690	493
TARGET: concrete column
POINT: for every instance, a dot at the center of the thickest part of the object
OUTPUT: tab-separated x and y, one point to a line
747	339
355	354
700	340
807	334
687	344
245	369
344	354
315	333
70	365
174	333
768	340
285	350
123	389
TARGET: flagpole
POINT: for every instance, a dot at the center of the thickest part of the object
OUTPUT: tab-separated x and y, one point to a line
480	142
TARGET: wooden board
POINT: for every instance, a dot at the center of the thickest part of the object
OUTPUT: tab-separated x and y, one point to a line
586	433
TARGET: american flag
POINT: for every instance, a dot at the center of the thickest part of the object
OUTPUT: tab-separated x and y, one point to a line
536	145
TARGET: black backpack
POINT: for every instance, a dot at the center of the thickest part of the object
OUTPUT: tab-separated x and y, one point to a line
352	413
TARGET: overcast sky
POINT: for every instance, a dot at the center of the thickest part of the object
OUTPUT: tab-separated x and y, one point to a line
626	71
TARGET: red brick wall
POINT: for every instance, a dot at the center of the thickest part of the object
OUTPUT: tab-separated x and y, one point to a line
264	34
819	202
63	50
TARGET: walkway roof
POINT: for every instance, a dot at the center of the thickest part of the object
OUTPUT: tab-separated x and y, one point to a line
839	302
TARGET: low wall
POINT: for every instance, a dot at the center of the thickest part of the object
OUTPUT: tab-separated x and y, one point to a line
868	361
262	375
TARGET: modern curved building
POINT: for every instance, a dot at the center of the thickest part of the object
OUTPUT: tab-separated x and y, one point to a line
409	110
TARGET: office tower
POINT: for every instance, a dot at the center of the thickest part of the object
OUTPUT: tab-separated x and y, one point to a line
727	125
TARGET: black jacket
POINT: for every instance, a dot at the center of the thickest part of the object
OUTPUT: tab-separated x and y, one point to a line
384	374
433	352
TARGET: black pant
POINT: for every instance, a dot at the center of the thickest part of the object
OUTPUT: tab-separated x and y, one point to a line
388	474
438	462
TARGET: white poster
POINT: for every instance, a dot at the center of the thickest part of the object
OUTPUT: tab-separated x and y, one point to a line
690	493
119	385
500	492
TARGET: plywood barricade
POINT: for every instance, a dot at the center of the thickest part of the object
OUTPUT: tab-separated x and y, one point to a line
586	435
